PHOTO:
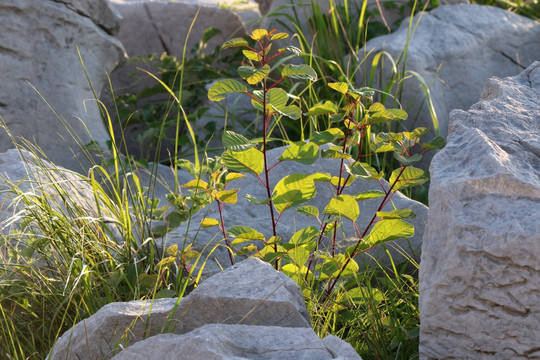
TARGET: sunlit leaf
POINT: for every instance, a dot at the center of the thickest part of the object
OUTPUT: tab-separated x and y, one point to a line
253	200
251	160
303	71
343	205
227	196
293	190
327	136
252	55
234	43
305	235
209	222
407	160
340	87
416	133
236	142
327	107
387	230
334	154
308	210
233	176
304	153
172	250
396	214
340	181
290	111
409	177
279	36
253	75
276	97
370	194
196	184
436	143
363	171
244	232
221	89
258	34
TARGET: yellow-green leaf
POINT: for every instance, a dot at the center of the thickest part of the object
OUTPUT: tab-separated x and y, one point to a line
279	36
196	184
251	160
252	55
340	87
258	34
343	205
304	153
234	43
208	223
409	177
303	71
253	75
233	176
227	196
221	89
293	190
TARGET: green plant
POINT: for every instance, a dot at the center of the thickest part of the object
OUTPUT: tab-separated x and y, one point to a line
528	8
314	256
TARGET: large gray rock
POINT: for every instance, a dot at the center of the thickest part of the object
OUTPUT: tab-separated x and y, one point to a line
39	48
480	274
228	342
455	48
250	293
258	217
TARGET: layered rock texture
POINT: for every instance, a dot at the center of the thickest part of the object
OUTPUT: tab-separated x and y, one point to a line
480	274
39	58
249	311
456	48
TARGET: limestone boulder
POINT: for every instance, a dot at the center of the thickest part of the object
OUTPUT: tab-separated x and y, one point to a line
258	216
228	342
250	293
479	274
456	48
39	58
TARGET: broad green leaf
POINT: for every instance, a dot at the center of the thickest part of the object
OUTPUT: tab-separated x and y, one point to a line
299	255
290	111
165	294
233	176
244	232
279	36
332	266
321	177
258	34
363	171
236	142
221	89
382	147
275	97
378	117
293	190
343	205
251	160
227	196
253	200
209	222
274	240
252	55
308	210
407	160
305	235
334	154
435	144
364	92
172	250
387	230
253	75
304	153
376	107
398	114
196	184
327	136
411	176
337	181
327	107
370	194
396	214
304	72
236	42
416	133
387	137
340	87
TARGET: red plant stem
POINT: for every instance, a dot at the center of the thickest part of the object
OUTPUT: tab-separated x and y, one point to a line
353	253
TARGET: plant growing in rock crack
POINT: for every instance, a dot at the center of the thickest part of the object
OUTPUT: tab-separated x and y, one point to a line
313	253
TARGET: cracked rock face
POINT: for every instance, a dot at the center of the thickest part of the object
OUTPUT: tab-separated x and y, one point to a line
249	311
470	43
480	274
39	46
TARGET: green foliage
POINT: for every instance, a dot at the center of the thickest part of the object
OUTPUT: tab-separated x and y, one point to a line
315	257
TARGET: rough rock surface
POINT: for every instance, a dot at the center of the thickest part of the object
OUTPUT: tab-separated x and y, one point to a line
39	47
231	342
250	293
470	43
480	274
257	216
